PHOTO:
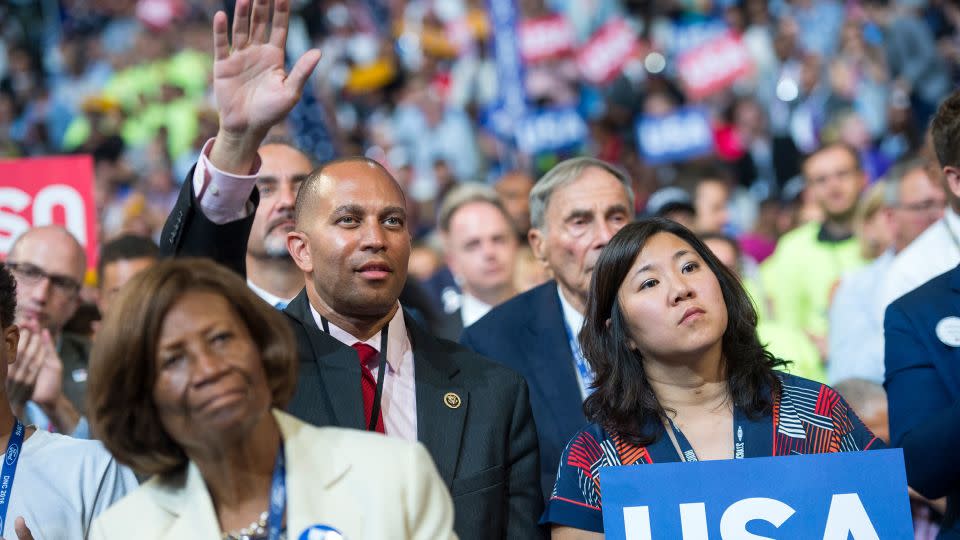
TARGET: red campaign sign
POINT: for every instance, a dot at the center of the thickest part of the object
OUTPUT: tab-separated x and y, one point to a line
545	38
714	66
49	190
607	51
159	14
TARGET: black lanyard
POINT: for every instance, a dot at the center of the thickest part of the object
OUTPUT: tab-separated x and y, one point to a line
739	433
381	361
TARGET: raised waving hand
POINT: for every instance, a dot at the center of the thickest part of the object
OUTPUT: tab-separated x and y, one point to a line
252	88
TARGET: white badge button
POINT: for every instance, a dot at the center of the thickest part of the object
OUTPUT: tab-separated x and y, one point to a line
948	331
321	532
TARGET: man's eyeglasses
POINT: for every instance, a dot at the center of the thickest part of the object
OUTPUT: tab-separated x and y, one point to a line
928	205
32	275
842	173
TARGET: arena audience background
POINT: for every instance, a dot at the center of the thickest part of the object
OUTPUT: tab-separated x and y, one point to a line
414	85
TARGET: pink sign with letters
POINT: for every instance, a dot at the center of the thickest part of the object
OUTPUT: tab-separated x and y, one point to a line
714	66
49	190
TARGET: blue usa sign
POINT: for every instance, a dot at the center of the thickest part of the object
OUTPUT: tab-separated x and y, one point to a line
859	495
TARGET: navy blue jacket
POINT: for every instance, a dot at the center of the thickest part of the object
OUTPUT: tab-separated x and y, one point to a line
923	387
528	334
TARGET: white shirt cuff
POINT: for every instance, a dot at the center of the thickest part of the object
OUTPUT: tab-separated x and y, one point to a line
223	197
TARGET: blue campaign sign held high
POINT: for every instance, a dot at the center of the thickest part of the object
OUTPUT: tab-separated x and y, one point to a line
550	130
506	52
680	136
682	37
858	495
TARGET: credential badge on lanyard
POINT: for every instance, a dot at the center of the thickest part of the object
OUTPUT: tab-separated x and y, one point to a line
321	532
9	469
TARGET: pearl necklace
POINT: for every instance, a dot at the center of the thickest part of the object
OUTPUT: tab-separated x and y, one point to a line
256	530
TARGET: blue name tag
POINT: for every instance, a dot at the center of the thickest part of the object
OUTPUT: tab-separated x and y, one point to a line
828	496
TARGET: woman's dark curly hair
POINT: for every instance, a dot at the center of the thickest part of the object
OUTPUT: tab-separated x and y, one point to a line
623	401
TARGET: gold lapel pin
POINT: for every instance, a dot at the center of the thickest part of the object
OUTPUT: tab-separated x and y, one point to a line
451	400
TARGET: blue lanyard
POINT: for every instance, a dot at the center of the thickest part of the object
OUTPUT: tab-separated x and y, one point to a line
739	446
278	496
11	458
583	368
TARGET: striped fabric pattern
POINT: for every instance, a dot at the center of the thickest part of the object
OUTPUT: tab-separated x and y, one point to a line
807	418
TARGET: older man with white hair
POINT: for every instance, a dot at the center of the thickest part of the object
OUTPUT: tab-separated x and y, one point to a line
575	209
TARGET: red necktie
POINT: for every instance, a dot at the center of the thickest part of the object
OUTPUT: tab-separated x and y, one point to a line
368	385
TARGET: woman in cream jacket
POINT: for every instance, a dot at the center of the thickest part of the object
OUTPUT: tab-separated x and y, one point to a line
186	379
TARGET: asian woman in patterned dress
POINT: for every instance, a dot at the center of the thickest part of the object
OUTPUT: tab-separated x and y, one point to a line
681	375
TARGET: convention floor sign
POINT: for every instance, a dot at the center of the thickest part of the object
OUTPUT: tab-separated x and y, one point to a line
49	190
858	495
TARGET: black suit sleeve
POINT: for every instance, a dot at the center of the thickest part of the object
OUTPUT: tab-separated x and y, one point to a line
523	489
189	233
924	419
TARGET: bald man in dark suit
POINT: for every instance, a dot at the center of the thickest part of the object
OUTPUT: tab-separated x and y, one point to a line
360	353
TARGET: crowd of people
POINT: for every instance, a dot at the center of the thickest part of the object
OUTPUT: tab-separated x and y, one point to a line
512	318
412	84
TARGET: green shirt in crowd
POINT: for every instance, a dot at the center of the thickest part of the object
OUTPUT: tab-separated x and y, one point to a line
800	276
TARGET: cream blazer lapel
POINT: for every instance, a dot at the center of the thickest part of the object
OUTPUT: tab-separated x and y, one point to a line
190	507
365	485
314	472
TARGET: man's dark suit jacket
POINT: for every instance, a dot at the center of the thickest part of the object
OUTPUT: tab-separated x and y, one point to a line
485	449
528	334
922	380
449	326
439	284
74	353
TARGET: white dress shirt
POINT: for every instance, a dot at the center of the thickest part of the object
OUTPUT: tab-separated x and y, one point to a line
934	252
856	328
268	296
223	196
399	402
472	309
571	316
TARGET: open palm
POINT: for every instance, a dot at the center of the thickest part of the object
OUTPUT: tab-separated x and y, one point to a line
252	90
49	382
50	378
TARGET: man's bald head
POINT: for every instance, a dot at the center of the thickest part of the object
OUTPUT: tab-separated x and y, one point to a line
356	168
49	265
54	238
351	239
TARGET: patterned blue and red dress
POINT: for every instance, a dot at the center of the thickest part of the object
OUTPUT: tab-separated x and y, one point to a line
806	418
